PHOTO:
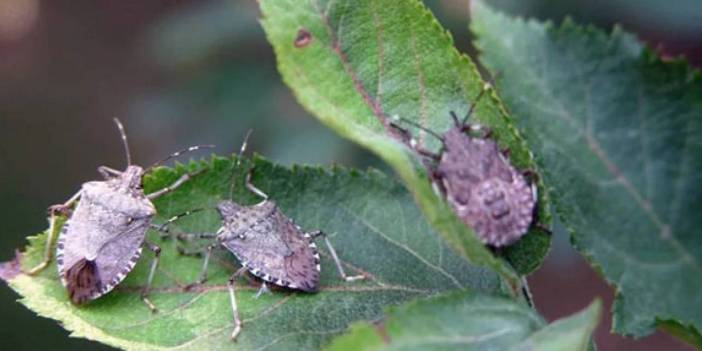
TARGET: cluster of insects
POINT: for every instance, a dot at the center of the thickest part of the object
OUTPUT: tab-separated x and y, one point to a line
105	233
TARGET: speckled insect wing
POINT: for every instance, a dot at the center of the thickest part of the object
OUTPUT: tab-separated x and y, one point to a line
302	267
101	242
271	246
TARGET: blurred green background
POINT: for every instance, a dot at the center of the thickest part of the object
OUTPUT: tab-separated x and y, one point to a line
189	72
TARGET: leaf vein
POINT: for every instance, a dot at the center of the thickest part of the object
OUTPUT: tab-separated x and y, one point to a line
381	53
160	314
644	140
406	248
344	60
299	332
431	340
420	84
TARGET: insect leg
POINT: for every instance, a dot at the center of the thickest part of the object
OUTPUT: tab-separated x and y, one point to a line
337	262
63	208
184	178
436	177
47	247
54	211
195	236
108	172
406	133
163	228
202	277
195	253
145	292
203	272
264	289
505	152
425	152
532	178
484	132
232	298
542	227
167	233
253	188
408	139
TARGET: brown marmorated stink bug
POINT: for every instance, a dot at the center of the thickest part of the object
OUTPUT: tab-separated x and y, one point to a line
103	238
267	243
485	191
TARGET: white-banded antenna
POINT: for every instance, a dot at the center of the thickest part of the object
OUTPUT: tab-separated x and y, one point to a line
487	85
244	145
124	141
176	154
418	126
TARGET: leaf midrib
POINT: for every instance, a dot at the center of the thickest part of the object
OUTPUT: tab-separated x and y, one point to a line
406	249
335	48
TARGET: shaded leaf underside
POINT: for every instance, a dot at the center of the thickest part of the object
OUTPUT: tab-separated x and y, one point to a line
371	220
364	62
619	135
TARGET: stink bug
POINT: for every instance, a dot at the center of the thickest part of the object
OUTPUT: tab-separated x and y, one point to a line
267	243
103	237
485	191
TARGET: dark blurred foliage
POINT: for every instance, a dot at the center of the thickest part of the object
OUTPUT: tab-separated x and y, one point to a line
189	72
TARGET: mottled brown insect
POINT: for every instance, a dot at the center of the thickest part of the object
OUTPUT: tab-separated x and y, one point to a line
268	244
489	194
103	238
483	188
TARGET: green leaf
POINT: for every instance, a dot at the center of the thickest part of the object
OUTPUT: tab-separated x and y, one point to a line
371	220
687	333
618	134
469	321
364	62
571	333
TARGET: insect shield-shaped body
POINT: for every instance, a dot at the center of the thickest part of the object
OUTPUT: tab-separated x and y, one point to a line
483	188
103	238
269	244
485	191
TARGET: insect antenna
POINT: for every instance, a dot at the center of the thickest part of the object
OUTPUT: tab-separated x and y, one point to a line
124	141
485	87
472	106
419	126
238	162
176	154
